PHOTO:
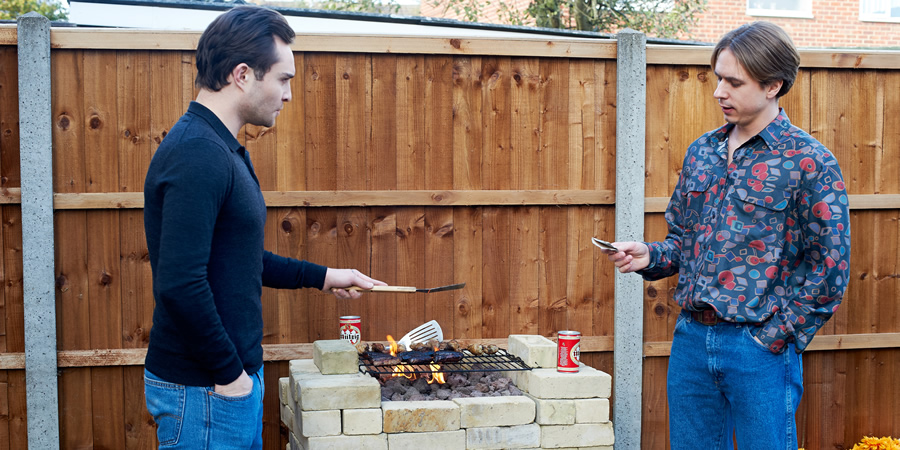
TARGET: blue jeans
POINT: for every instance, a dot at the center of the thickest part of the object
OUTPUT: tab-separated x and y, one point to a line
195	417
722	382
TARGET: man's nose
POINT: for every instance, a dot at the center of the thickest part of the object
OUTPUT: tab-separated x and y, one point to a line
720	90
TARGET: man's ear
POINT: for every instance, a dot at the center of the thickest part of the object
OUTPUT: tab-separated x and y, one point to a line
240	75
773	88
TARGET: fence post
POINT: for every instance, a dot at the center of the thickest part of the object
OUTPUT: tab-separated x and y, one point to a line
35	143
631	104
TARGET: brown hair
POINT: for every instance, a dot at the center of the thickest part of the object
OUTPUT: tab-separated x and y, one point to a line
243	34
766	52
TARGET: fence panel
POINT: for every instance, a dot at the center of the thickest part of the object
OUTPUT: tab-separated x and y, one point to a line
428	166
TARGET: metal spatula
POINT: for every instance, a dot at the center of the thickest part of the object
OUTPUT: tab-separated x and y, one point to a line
422	333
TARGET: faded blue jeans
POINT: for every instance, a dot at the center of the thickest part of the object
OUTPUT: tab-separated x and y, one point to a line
192	417
720	380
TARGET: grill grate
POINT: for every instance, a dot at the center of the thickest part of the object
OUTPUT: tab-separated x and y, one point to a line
498	362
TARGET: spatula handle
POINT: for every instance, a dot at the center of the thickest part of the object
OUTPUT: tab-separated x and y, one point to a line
383	289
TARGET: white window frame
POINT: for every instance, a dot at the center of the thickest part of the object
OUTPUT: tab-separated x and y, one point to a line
866	15
805	11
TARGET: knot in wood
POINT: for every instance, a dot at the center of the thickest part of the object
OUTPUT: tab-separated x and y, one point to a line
287	226
659	310
683	75
456	43
346	76
702	77
105	279
651	292
95	122
62	283
64	122
348	229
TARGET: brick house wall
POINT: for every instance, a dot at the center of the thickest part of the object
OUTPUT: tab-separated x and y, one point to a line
834	23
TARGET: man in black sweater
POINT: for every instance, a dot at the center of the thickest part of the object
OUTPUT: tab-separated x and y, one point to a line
204	217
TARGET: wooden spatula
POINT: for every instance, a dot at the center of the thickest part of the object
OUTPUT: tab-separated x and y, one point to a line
408	289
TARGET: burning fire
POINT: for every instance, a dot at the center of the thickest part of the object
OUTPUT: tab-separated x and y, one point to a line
436	375
393	345
403	370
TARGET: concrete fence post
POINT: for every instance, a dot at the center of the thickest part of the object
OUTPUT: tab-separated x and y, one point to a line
35	144
631	105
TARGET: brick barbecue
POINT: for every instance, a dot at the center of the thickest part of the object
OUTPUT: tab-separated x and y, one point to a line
327	403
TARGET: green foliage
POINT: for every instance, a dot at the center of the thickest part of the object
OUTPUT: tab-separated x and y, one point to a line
53	10
659	18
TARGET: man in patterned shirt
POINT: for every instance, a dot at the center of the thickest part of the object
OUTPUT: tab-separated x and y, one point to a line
759	235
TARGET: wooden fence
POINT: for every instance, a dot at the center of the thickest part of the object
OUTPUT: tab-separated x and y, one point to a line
427	162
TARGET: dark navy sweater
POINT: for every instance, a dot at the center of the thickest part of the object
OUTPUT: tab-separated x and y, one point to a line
204	217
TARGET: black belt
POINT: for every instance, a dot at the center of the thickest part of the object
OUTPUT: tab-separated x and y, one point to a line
707	317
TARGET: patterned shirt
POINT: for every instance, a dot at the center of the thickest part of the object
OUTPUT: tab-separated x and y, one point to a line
765	240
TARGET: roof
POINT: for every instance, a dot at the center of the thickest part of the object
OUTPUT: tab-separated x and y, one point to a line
195	15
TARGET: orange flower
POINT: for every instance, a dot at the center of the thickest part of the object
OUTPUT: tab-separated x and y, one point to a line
872	443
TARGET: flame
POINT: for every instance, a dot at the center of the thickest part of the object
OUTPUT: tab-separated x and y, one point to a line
436	375
402	370
393	345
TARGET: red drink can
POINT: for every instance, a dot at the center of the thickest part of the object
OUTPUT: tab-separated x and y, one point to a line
350	329
568	351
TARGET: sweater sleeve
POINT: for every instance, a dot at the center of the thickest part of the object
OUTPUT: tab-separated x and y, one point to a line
190	205
289	273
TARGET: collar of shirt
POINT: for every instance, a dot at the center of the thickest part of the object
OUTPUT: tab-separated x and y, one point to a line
771	134
222	131
217	125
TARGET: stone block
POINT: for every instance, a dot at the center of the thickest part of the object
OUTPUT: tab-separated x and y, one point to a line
326	392
335	357
317	423
495	411
294	442
444	440
421	416
535	350
343	442
548	383
303	366
284	391
287	416
592	410
578	435
300	368
554	411
520	436
362	421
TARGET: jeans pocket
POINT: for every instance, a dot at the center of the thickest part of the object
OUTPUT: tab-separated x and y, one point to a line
165	402
235	418
751	336
679	322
